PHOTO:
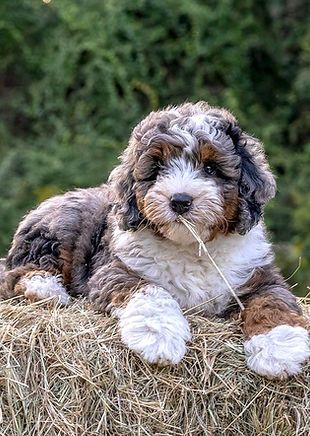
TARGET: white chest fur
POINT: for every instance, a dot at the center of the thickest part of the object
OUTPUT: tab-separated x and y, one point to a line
190	279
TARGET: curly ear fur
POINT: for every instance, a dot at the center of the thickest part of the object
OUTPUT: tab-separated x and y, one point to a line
126	204
130	218
256	184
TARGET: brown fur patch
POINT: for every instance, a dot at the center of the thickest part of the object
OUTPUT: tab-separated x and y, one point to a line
265	312
207	152
268	303
141	191
231	207
65	261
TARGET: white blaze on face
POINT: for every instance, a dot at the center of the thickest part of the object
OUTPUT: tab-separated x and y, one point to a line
180	176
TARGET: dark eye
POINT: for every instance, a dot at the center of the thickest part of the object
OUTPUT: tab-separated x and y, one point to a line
210	168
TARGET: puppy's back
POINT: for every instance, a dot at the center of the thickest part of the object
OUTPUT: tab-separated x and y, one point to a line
58	236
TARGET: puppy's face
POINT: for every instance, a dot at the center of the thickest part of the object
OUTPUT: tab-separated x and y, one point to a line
194	180
193	161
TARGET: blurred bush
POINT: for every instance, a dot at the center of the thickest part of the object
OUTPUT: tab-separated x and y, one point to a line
76	75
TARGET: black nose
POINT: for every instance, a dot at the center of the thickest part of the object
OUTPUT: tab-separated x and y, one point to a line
181	202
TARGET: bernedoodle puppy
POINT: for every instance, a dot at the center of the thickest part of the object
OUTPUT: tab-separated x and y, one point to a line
124	246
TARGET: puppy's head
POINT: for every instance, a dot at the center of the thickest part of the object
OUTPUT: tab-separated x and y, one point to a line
192	160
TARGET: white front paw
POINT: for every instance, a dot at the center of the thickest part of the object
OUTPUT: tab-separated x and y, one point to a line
152	324
278	353
42	285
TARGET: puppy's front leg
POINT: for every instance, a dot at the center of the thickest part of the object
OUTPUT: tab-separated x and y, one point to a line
152	324
277	342
150	320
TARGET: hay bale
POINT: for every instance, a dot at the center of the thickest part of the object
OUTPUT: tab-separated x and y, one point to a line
66	372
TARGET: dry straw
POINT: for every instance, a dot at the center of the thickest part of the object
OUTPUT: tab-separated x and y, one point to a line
64	371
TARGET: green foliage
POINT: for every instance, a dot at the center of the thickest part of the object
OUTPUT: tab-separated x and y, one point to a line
75	77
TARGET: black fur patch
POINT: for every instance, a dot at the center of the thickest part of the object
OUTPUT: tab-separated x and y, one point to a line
39	248
96	247
131	217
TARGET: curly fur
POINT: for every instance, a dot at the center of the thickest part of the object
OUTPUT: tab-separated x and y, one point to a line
121	244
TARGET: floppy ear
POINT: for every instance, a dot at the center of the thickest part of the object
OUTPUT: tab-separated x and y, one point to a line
126	204
122	177
256	184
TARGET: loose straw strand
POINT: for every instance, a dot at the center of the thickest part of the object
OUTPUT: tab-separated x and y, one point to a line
202	246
